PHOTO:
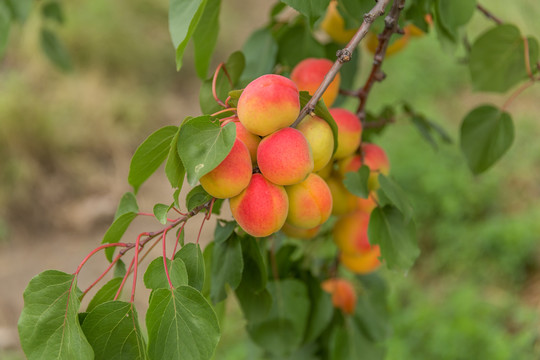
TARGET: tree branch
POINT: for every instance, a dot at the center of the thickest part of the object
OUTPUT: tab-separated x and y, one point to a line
488	14
391	26
344	55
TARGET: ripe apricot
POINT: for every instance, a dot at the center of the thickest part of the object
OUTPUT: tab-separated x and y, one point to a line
299	233
231	176
285	157
367	205
268	103
250	140
308	75
362	263
349	132
351	233
310	202
320	138
334	25
377	161
343	201
343	294
261	209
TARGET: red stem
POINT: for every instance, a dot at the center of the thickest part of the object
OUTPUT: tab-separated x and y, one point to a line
164	238
178	240
103	274
104	246
136	258
214	82
128	271
223	111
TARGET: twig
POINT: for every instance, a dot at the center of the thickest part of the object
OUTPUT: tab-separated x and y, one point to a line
377	124
488	14
344	55
391	26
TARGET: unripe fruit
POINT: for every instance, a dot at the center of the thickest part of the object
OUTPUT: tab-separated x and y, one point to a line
250	140
320	138
362	263
299	233
308	75
343	201
351	233
231	176
343	294
285	157
268	103
261	209
310	202
349	132
334	25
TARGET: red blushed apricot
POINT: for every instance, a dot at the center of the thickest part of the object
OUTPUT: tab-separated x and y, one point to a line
250	140
377	161
343	201
299	233
285	157
261	209
349	132
343	294
363	263
231	176
349	164
320	138
351	233
310	202
308	75
268	103
367	205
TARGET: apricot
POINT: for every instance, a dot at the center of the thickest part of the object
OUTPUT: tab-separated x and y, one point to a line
367	205
299	233
320	138
410	30
349	164
351	233
250	140
308	75
334	25
310	202
285	157
343	201
268	103
261	209
343	294
326	171
377	161
363	263
231	176
349	132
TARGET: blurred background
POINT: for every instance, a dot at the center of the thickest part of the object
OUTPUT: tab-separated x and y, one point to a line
66	140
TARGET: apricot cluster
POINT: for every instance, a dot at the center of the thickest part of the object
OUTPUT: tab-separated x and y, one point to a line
269	173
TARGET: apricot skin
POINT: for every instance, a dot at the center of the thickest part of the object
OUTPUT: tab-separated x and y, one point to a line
310	202
231	176
343	201
377	161
343	294
320	138
334	25
309	73
299	233
261	209
268	103
250	140
349	132
285	157
350	233
363	263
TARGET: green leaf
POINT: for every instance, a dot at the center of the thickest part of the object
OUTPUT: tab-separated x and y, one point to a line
357	182
260	51
184	15
396	196
371	313
20	9
497	59
227	266
197	197
255	304
155	277
49	326
234	66
486	134
454	14
55	50
119	269
205	37
283	329
396	237
208	254
181	325
313	9
417	11
106	293
128	204
5	24
53	11
255	275
192	256
160	212
321	310
321	111
174	169
223	232
113	331
296	43
348	342
203	144
352	11
149	156
116	231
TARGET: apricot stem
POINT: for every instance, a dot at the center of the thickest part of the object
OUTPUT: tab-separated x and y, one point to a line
164	240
